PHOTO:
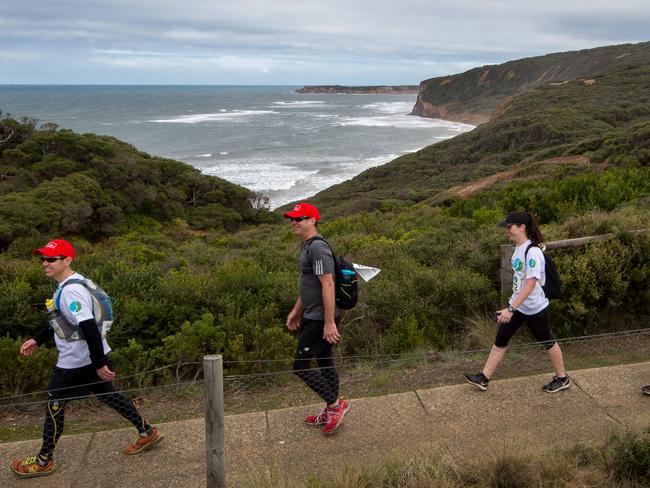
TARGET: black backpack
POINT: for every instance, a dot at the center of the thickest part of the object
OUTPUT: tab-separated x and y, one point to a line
553	285
346	288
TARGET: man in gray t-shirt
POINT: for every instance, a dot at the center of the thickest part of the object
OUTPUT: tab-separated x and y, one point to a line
316	261
317	317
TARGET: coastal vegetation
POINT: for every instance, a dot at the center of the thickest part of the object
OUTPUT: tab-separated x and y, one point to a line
57	181
195	264
607	122
475	95
622	461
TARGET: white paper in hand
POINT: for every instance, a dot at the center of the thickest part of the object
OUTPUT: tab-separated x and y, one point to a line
366	272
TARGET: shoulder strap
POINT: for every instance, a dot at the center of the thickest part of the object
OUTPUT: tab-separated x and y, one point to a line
532	244
74	281
319	238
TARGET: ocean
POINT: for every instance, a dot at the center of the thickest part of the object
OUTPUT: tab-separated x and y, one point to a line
285	145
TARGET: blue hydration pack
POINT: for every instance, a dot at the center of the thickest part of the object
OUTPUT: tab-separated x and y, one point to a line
102	312
346	286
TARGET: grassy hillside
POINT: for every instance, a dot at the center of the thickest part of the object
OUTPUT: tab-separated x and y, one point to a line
473	96
607	121
189	276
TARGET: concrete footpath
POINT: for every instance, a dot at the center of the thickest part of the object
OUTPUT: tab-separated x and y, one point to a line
457	421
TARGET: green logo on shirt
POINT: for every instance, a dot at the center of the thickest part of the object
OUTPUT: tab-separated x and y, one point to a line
75	307
532	263
518	265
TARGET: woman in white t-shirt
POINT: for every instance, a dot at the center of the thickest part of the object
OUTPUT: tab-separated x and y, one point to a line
528	303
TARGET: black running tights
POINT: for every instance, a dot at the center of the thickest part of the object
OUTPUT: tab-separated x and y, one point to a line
325	380
68	384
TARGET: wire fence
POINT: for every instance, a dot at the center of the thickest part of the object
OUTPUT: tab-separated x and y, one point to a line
358	375
278	384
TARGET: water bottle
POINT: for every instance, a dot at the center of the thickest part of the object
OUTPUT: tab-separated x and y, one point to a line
52	312
60	325
54	318
348	275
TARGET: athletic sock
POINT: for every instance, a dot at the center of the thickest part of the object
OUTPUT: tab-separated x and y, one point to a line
148	429
41	460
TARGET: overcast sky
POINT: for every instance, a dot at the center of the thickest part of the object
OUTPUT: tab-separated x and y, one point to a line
297	42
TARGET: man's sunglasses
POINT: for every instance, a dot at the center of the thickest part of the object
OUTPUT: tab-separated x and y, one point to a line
299	219
51	260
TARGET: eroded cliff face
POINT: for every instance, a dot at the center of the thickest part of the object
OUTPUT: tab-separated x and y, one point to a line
447	112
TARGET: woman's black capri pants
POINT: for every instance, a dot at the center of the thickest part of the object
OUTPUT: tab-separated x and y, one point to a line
537	323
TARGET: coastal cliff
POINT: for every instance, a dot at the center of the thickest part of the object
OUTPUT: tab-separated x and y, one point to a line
604	119
474	96
361	90
447	111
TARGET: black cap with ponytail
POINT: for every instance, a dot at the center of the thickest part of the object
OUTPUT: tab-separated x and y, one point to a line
533	230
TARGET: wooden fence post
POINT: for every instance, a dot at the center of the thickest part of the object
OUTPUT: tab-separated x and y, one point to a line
215	453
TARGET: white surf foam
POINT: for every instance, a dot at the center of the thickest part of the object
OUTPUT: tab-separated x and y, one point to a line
309	185
403	122
398	121
256	176
299	103
213	117
390	107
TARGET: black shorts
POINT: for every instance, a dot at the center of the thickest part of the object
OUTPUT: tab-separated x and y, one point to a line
77	382
311	342
537	323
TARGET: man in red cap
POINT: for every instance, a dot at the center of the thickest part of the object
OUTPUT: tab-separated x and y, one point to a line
82	367
316	315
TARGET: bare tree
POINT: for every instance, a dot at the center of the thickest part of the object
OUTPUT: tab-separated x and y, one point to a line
259	202
7	137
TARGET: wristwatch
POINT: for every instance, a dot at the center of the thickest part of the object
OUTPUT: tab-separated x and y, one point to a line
510	309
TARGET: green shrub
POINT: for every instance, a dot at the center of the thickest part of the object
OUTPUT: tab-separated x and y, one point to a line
603	280
135	366
627	456
191	343
22	374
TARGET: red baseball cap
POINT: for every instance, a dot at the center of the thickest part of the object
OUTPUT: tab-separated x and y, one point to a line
303	210
57	247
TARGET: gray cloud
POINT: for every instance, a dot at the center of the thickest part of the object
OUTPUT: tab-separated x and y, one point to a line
327	41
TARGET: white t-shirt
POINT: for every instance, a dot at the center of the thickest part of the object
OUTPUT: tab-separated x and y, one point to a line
76	304
523	270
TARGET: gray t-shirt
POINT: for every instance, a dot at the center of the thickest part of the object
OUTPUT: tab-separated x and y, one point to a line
315	260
